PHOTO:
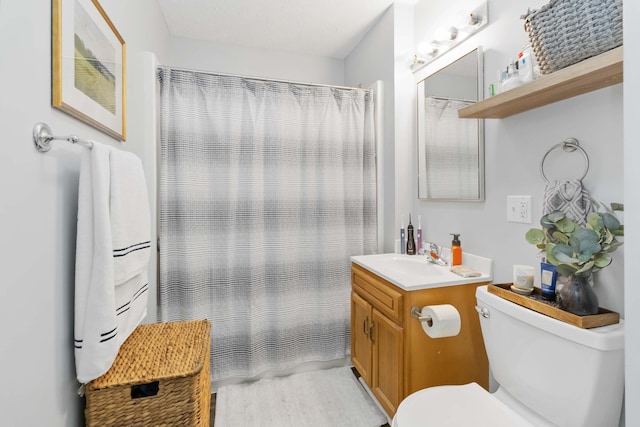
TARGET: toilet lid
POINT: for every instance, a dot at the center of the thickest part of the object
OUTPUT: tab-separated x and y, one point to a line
459	405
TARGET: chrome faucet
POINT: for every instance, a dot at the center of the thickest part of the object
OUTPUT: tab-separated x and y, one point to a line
434	255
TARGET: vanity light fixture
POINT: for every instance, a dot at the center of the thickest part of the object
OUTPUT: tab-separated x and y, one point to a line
465	25
418	60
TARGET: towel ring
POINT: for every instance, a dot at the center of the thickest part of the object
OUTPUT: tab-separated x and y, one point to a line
569	145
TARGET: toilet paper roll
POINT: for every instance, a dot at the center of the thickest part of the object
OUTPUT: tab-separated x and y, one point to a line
445	321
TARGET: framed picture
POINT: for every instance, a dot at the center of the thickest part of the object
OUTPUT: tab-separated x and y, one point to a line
88	66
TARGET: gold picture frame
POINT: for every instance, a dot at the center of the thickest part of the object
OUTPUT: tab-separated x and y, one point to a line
88	66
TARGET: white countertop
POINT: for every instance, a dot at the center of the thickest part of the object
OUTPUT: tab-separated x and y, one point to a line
414	272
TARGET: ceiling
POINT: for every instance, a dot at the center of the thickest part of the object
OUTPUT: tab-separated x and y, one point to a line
328	28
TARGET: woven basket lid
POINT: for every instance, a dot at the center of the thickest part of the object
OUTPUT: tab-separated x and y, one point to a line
156	352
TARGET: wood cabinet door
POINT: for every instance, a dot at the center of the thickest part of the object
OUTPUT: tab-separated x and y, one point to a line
388	353
361	321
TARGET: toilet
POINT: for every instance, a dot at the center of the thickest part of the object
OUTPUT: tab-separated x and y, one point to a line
549	373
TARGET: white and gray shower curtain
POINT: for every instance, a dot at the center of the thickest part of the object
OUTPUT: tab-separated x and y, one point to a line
266	190
451	151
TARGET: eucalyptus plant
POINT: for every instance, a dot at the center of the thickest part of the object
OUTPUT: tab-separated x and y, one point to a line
574	249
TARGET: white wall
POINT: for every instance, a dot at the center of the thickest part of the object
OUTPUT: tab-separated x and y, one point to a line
405	115
226	59
39	205
385	54
373	59
632	210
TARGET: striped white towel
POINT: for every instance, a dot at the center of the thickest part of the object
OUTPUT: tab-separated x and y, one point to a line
110	302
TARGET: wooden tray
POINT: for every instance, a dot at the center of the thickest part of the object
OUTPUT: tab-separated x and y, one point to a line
549	308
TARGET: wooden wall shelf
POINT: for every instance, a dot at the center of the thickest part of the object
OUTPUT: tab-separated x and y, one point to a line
586	76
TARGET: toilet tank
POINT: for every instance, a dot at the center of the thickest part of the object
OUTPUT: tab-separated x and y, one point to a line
567	375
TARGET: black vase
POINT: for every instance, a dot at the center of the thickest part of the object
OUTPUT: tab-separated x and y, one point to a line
577	295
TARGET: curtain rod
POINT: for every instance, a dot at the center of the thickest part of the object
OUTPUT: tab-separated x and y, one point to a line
443	98
264	79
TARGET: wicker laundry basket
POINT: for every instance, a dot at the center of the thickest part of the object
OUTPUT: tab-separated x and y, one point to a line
564	32
159	378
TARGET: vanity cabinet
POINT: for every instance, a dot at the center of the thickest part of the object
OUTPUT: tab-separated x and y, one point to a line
390	349
377	337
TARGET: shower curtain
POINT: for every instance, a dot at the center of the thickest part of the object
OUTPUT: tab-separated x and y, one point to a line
266	190
451	150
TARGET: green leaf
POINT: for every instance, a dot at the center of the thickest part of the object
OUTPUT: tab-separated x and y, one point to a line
555	216
588	241
594	221
611	247
602	261
619	231
564	254
574	242
610	221
549	253
587	267
617	206
584	257
560	237
566	269
566	225
535	236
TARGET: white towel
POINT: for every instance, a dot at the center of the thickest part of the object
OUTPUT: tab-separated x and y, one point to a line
569	197
130	217
107	311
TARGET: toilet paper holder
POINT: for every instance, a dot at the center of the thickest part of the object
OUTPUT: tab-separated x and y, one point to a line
416	313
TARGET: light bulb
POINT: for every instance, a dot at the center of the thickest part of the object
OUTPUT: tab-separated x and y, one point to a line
423	47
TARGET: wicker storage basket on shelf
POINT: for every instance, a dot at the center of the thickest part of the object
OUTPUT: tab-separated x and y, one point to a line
564	32
159	378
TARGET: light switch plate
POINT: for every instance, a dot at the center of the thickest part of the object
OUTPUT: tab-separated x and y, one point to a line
519	209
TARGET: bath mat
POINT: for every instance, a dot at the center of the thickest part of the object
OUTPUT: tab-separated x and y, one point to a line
331	397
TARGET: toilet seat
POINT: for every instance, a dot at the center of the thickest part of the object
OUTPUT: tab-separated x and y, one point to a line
456	406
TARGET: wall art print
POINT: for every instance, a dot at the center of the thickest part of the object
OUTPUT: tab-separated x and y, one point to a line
88	66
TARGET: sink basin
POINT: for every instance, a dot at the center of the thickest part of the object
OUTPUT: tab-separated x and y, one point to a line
413	272
412	265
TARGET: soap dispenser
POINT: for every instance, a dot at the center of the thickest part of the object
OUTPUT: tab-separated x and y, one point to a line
411	243
456	250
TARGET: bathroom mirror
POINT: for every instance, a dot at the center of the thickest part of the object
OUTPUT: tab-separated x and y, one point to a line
450	149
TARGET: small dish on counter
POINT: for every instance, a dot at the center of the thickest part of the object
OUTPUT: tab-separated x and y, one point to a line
521	291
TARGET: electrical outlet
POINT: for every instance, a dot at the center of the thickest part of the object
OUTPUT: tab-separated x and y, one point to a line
519	209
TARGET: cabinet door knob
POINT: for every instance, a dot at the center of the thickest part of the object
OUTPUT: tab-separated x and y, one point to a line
371	335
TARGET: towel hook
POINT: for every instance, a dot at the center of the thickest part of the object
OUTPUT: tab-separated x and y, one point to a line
569	145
